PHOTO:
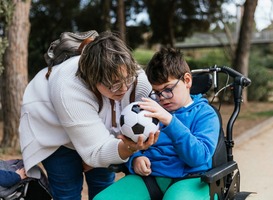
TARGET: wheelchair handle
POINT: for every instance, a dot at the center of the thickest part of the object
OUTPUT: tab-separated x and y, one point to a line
244	81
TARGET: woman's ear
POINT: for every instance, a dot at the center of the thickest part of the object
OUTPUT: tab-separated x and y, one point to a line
188	80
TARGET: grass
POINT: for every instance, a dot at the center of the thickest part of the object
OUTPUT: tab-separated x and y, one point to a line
143	56
255	115
265	114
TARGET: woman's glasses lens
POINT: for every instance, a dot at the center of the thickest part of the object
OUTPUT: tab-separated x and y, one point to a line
128	82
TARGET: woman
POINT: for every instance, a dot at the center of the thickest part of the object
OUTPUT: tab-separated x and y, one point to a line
71	118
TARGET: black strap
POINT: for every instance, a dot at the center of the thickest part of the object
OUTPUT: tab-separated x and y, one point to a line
153	188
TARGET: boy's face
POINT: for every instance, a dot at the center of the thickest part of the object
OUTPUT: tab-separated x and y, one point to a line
180	90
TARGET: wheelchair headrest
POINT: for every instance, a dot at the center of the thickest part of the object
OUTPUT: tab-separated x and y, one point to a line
201	83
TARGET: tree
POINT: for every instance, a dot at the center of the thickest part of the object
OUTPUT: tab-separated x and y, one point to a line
178	19
14	77
241	60
169	20
48	20
105	17
121	19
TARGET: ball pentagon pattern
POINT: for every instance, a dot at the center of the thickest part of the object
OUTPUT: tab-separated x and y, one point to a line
133	122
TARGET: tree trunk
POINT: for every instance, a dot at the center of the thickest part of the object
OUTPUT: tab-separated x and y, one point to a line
15	74
241	60
106	5
170	30
121	19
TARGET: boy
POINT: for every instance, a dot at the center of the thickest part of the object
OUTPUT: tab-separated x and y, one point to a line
188	136
10	178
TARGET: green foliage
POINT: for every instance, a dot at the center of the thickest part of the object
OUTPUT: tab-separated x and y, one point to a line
3	46
168	20
262	56
262	84
256	115
181	18
48	20
143	56
268	113
260	73
260	68
6	12
206	58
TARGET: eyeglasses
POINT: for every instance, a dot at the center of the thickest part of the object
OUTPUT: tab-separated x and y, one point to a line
128	82
166	93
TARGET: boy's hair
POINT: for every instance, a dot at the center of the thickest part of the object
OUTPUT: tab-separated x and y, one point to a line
168	62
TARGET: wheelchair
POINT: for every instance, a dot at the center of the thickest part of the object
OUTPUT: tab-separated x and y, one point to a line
26	189
224	176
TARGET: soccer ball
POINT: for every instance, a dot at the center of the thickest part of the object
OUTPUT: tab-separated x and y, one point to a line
133	123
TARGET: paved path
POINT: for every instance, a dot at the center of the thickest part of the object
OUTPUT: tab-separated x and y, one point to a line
253	152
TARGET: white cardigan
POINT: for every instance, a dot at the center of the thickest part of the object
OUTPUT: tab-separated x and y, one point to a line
63	111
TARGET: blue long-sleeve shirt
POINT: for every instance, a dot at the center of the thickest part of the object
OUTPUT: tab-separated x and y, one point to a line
9	178
187	144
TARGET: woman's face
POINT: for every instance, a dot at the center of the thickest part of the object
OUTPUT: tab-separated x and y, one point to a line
118	94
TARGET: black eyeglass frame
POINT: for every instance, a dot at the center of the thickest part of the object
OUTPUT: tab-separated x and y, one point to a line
156	95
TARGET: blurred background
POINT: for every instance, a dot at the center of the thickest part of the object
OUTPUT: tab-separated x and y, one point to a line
233	33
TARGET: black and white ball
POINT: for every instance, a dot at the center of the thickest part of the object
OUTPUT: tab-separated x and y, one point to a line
133	123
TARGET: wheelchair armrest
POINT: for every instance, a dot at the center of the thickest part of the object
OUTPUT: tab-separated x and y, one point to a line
219	172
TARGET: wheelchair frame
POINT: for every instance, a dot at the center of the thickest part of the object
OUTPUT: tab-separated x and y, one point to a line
224	178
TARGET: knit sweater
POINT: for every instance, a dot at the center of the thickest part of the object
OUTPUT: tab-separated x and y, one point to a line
63	111
187	144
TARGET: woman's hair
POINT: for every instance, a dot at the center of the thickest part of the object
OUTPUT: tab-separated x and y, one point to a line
101	61
168	62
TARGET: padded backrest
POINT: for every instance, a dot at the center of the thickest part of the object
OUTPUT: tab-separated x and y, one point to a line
220	154
202	82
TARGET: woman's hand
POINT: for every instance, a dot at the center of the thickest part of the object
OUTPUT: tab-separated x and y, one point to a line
86	167
141	144
142	166
127	147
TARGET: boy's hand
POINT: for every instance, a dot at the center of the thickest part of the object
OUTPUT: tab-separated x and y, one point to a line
156	110
22	173
142	166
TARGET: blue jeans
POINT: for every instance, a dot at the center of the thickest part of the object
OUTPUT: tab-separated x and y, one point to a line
65	175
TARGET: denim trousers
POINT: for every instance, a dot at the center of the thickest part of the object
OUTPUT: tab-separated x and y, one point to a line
65	175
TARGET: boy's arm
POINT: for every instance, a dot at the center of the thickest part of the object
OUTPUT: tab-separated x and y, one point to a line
196	145
8	178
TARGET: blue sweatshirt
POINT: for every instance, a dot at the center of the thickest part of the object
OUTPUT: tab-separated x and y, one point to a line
9	178
187	144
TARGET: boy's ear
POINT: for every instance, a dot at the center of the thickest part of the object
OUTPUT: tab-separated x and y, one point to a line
188	79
